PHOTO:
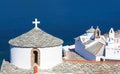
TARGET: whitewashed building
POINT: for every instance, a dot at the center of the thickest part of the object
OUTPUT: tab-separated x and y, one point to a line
91	44
112	49
36	47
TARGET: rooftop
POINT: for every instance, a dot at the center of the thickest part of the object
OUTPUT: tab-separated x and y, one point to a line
36	38
117	34
68	68
91	30
94	49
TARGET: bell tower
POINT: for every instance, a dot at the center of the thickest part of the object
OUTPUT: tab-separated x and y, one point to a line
97	33
111	35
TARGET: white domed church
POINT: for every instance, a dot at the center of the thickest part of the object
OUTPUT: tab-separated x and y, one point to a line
36	47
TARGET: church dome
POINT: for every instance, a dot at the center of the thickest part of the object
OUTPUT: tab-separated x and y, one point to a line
91	30
36	38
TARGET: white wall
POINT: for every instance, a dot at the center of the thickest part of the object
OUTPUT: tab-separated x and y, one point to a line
21	57
112	53
49	57
99	57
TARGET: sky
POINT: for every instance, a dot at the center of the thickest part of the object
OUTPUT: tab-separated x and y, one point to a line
58	17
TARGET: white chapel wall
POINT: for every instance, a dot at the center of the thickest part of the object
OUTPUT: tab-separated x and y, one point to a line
21	57
50	57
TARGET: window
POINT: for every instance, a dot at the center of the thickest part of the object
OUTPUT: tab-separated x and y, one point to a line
35	57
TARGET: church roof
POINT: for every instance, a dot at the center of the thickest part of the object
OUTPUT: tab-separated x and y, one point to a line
36	38
95	49
91	30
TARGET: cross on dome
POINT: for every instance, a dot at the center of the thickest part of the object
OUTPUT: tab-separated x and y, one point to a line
36	22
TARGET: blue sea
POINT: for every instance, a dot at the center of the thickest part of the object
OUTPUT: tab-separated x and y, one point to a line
65	19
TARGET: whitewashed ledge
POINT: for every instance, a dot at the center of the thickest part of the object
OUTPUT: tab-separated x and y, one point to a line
67	68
